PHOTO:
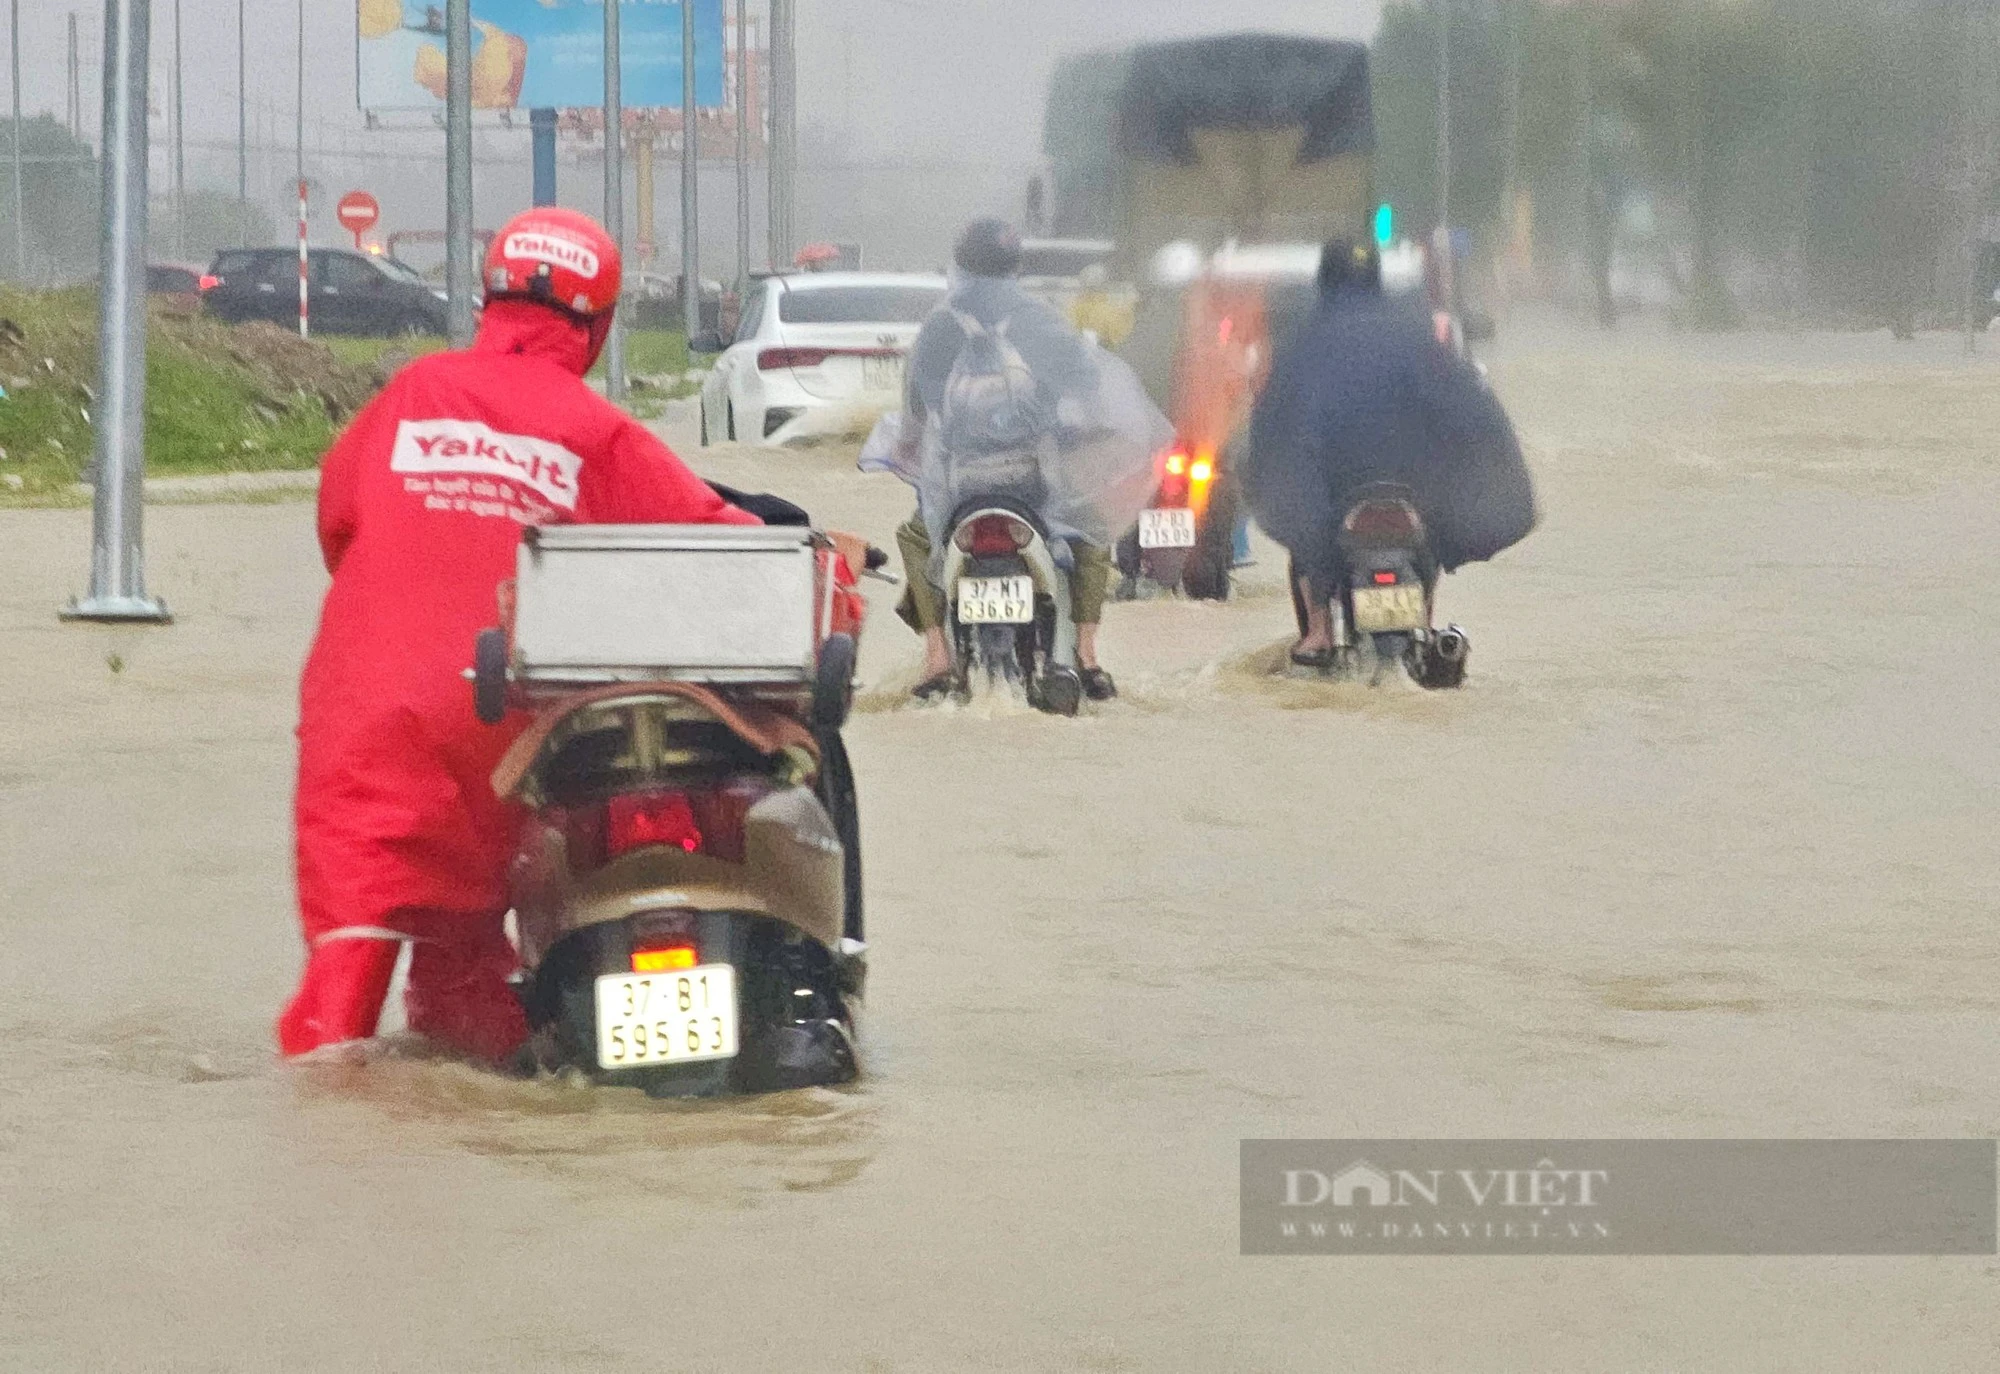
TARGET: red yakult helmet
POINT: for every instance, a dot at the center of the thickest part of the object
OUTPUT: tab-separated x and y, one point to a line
557	257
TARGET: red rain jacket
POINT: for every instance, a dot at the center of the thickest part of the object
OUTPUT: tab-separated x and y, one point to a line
422	502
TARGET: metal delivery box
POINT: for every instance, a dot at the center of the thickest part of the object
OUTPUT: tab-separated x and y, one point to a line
719	604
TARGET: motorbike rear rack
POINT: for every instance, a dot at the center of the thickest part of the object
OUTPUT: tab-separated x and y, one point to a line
727	606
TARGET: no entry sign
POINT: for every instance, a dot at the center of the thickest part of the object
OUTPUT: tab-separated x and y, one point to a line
358	213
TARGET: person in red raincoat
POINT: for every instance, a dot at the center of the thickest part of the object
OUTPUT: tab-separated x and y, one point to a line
422	503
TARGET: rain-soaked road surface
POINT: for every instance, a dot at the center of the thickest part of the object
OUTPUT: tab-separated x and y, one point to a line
1706	849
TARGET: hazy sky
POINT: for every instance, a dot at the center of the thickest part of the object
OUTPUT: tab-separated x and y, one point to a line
928	77
967	77
920	80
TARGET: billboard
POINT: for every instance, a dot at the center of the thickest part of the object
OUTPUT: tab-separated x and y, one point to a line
536	54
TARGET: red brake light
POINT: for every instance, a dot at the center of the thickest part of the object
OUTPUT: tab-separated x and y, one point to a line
1177	462
209	283
635	821
706	823
992	536
772	359
1385	579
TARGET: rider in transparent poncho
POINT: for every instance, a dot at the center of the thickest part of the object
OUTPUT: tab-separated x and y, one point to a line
1089	467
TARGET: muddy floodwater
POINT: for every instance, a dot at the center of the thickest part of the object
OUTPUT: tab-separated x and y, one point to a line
1706	848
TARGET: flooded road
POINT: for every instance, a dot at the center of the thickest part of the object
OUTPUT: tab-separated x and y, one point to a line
1706	848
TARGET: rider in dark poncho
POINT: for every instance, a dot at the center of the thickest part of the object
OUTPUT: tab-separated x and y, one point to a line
1366	393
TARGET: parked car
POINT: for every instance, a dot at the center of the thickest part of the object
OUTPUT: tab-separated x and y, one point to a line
351	293
177	280
817	355
653	301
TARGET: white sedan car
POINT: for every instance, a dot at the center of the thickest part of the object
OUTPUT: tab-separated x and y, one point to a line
819	355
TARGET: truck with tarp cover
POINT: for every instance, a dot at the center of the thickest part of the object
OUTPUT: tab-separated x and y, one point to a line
1247	137
1254	138
1210	147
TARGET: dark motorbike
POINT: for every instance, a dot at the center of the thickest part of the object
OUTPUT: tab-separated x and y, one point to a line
1185	540
1386	596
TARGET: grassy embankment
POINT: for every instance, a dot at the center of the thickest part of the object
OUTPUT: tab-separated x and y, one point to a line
218	399
249	398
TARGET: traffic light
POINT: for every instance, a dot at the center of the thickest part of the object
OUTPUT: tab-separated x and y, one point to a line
1385	225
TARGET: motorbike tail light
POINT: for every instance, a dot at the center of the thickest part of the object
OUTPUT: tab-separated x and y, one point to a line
1202	471
1177	463
992	536
711	823
665	957
774	359
1384	520
635	821
209	283
1385	579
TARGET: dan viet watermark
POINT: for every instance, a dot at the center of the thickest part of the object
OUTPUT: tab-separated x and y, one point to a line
1619	1197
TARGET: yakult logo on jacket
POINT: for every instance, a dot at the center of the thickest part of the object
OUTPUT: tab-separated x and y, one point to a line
553	251
467	446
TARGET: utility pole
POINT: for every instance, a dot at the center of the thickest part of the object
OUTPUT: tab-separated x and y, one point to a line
742	149
1444	118
1978	110
242	133
118	419
784	150
614	189
180	145
74	110
690	182
1515	18
20	205
459	271
299	147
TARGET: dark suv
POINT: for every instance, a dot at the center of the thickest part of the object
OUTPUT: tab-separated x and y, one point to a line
352	293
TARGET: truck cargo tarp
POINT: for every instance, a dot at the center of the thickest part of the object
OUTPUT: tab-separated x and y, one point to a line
1247	81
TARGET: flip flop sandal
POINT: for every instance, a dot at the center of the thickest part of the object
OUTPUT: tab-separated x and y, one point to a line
1317	659
931	688
1098	686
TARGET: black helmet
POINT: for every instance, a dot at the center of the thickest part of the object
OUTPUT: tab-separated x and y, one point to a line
989	248
1350	262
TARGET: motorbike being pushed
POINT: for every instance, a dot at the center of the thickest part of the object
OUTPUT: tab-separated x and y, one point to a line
687	884
1382	609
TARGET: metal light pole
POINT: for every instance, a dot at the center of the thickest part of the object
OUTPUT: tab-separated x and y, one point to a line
20	205
614	191
181	151
1514	16
460	276
784	128
1444	116
742	148
242	133
117	560
305	324
690	182
74	110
